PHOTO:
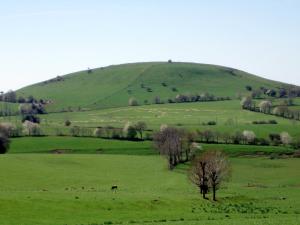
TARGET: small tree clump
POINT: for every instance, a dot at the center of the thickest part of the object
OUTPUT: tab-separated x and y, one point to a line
89	70
247	103
249	88
176	144
98	132
157	100
32	129
162	127
133	102
8	129
285	138
238	137
68	123
265	107
31	118
207	135
170	142
131	132
75	131
249	136
281	111
125	128
140	127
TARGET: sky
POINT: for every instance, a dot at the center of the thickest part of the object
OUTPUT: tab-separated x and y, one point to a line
40	39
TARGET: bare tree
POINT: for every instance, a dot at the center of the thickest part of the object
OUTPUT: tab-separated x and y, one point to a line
4	143
198	174
209	170
140	127
169	143
218	170
189	145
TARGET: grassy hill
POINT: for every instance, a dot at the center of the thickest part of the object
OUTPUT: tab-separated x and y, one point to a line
112	86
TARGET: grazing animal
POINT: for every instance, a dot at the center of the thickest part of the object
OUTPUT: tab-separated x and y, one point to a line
114	188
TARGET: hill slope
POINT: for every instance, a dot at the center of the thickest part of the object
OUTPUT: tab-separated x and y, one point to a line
112	86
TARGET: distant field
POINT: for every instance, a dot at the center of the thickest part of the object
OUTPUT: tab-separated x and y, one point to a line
66	145
228	115
79	145
74	189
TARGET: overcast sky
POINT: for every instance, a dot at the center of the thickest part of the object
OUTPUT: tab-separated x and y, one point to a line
43	39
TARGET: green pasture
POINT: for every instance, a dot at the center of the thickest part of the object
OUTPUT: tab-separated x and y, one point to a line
228	115
67	145
79	145
49	189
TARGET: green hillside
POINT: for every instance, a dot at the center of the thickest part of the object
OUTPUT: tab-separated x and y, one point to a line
112	86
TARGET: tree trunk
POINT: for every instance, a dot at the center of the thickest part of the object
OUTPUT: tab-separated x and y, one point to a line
214	193
186	155
170	163
203	194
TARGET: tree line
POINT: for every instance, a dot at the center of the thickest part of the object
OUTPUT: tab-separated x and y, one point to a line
181	98
289	91
266	107
11	96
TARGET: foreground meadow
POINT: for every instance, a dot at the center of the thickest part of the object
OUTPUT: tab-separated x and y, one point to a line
75	189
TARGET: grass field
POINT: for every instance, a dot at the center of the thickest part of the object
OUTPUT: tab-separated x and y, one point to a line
69	145
74	189
79	145
228	115
112	86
